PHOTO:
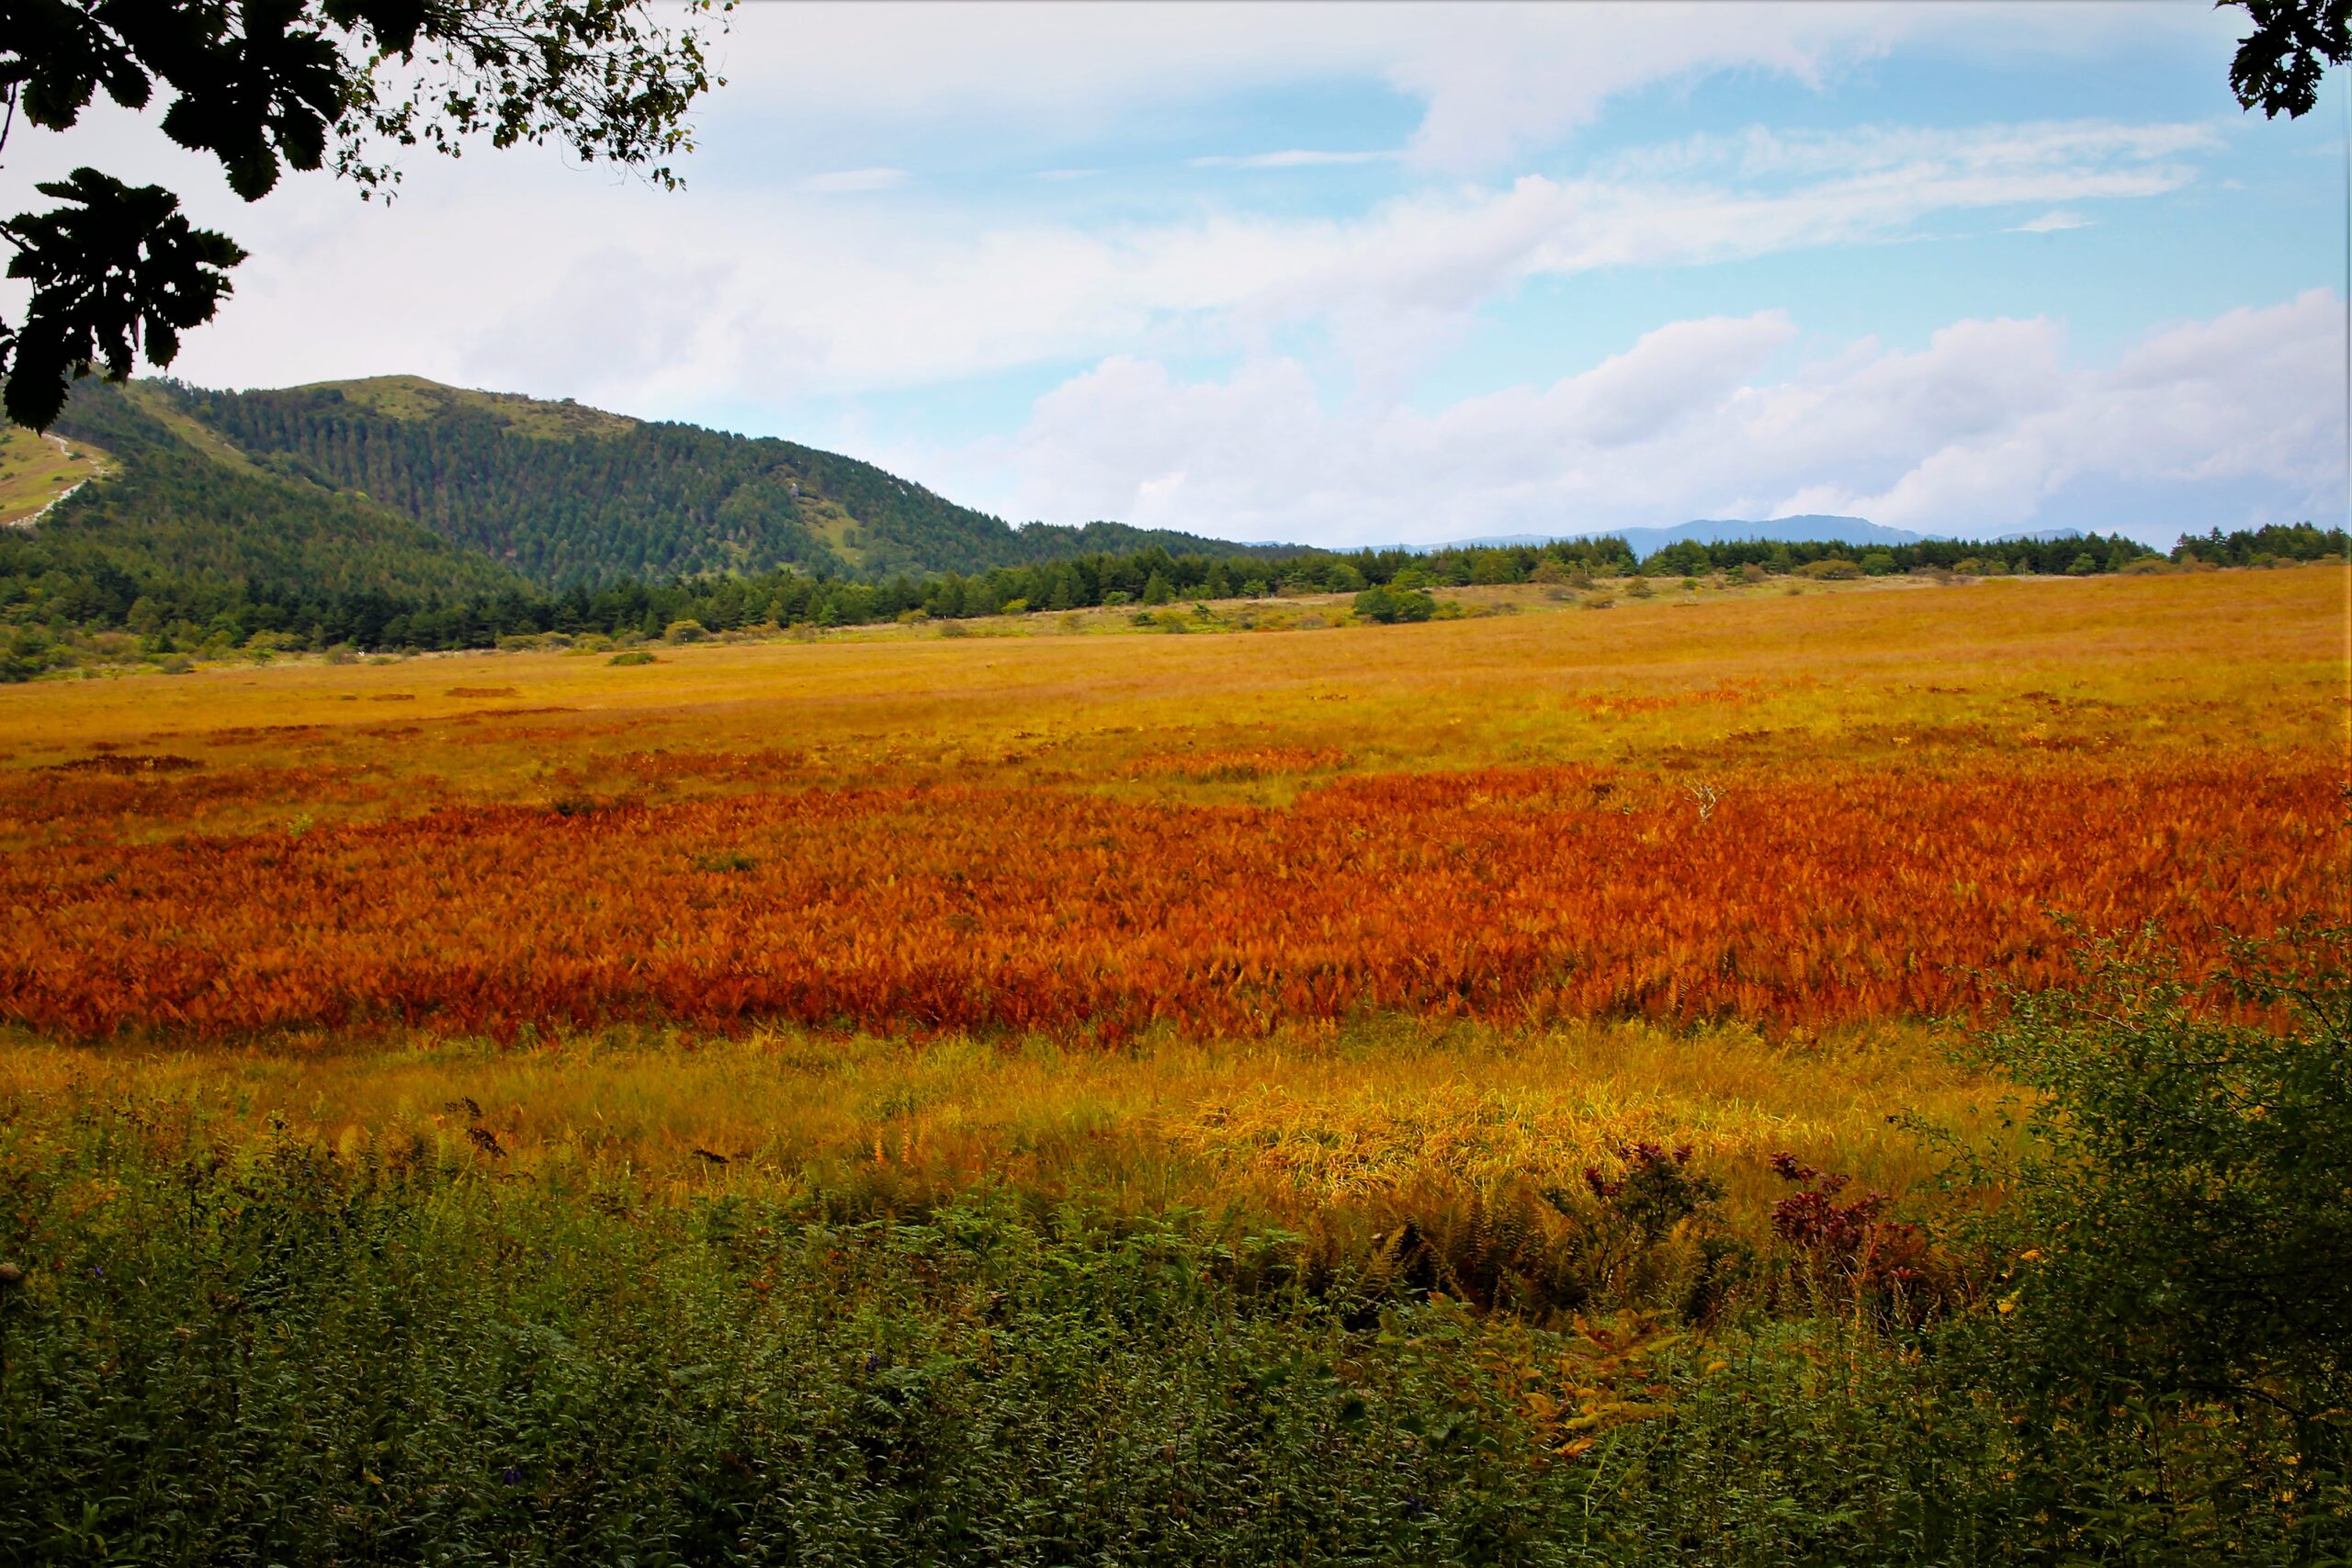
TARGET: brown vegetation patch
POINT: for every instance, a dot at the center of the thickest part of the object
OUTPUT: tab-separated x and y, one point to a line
127	764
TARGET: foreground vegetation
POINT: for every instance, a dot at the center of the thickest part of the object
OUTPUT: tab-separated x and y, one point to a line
241	1347
580	1113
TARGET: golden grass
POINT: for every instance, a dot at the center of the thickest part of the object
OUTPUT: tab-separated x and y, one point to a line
2199	662
1284	1126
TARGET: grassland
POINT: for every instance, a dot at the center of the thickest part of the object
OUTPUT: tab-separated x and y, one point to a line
35	470
1228	1045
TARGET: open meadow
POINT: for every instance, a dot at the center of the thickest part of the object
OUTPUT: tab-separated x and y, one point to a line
895	1095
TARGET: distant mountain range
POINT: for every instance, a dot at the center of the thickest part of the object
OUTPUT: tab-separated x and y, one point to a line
1808	526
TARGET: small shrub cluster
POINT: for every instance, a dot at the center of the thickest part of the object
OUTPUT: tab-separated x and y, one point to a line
1389	605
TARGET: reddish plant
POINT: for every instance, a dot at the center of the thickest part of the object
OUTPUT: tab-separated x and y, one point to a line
1657	1191
1853	1242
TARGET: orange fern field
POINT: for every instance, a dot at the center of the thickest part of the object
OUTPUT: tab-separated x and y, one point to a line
1850	807
1509	895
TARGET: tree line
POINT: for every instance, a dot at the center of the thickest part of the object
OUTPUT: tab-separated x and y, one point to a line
56	587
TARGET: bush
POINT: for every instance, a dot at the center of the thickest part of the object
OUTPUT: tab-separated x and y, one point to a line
683	631
1014	607
633	656
2182	1226
1833	569
1388	605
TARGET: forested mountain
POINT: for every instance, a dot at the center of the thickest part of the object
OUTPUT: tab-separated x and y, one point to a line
567	495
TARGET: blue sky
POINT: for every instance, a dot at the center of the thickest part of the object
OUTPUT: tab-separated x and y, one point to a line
1396	273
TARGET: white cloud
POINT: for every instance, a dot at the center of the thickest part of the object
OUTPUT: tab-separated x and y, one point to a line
1973	435
1293	158
2057	220
844	180
1761	152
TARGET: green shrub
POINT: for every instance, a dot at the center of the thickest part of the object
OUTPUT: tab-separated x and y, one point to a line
632	655
2188	1201
1389	604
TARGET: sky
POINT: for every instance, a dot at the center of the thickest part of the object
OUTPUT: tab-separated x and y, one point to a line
1346	274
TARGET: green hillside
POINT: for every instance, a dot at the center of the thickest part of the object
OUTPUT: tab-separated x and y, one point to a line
564	494
181	504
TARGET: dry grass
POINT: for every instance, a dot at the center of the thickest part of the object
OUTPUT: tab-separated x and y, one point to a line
1284	1126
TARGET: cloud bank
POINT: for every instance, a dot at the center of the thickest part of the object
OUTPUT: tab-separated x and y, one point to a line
1973	435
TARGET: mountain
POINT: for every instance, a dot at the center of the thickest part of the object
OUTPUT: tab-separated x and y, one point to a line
561	494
